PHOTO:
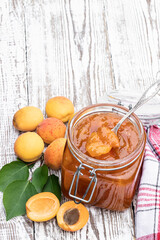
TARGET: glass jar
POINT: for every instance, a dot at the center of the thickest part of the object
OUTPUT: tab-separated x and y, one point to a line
106	184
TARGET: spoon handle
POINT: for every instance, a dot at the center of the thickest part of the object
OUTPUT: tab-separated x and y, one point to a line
147	95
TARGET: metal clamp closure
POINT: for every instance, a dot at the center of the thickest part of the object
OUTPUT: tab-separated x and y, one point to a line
75	180
93	178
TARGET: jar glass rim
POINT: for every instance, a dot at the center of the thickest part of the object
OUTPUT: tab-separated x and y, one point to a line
102	163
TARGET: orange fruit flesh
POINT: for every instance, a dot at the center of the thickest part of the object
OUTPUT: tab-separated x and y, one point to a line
41	208
83	216
101	142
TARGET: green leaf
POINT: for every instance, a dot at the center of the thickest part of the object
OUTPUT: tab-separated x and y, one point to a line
29	165
53	186
13	171
40	177
15	197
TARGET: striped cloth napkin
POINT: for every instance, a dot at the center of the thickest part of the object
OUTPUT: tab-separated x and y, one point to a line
147	218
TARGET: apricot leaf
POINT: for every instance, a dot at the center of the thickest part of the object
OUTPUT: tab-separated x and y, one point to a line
53	186
15	197
29	165
40	177
15	170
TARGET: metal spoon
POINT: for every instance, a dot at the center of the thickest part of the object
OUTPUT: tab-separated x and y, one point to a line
147	95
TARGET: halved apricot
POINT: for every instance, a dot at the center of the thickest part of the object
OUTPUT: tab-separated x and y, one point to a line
42	207
71	216
95	147
107	135
101	142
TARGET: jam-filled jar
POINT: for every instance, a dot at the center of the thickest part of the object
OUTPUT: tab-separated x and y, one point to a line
109	180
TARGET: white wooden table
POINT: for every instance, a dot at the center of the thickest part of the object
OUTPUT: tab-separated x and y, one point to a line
78	49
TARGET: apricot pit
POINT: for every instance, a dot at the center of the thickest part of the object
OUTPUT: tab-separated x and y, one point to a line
72	216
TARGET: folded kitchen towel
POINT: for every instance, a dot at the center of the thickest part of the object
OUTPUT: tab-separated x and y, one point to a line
147	218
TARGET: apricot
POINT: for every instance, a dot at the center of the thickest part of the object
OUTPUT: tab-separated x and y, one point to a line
50	129
54	153
27	118
60	107
72	216
101	142
95	147
29	146
107	135
42	207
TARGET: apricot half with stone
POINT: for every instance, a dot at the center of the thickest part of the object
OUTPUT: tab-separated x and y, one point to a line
101	142
60	107
27	118
50	129
29	146
42	207
72	216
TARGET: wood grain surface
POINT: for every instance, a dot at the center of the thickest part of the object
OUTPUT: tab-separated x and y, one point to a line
78	49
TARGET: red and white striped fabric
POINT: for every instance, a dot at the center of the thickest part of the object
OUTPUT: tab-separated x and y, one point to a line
148	201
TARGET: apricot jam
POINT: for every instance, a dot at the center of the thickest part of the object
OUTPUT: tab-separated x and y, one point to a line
115	174
127	134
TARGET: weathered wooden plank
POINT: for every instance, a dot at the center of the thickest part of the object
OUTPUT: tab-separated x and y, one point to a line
76	52
13	95
133	29
68	53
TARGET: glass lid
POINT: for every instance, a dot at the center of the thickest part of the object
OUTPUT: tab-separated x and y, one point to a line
149	113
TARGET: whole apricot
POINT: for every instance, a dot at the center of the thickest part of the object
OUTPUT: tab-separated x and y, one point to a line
27	118
50	129
60	107
54	153
29	146
42	207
